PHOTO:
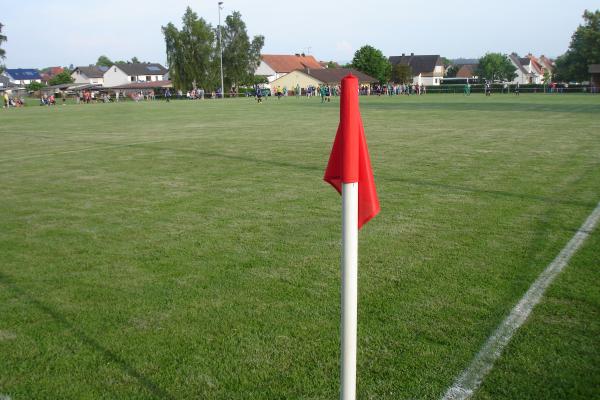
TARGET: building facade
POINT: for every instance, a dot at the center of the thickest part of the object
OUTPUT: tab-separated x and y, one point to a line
121	74
274	66
426	70
93	75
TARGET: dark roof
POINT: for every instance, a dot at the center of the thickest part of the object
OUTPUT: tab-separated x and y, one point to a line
594	69
335	75
524	60
419	64
92	71
4	81
21	74
517	61
142	69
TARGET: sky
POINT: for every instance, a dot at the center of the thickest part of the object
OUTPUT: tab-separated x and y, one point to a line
44	33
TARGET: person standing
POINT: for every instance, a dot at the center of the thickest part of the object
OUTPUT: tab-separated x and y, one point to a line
168	95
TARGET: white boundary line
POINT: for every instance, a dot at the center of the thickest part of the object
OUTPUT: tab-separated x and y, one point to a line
470	379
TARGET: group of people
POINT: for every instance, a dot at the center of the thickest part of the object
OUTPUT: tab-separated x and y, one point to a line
12	101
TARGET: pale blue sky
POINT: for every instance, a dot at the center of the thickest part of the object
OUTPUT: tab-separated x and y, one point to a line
62	32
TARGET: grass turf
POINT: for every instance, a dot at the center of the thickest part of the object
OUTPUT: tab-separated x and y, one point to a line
191	249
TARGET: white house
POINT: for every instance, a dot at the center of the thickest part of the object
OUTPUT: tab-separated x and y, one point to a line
426	70
93	74
22	76
526	70
121	74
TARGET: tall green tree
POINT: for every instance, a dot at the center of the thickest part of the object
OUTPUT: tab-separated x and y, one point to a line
583	50
104	61
496	67
452	70
402	73
372	62
191	52
240	55
2	51
63	77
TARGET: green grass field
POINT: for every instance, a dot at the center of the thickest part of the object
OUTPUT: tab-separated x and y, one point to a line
191	249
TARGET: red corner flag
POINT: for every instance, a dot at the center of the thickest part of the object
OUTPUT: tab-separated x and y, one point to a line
349	160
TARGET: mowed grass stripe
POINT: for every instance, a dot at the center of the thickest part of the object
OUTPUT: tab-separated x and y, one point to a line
210	266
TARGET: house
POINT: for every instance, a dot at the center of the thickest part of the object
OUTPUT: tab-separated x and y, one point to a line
546	64
594	70
49	73
528	72
426	69
317	77
121	74
4	82
536	67
22	76
93	75
274	66
467	71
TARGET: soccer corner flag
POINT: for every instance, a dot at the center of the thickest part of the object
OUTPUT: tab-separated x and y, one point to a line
349	161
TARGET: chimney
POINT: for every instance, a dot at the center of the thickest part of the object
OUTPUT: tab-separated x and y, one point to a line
297	55
403	54
412	54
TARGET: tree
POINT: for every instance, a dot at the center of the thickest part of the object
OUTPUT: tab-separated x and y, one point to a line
193	52
104	61
447	63
134	60
452	71
2	51
584	50
372	62
63	77
547	78
496	67
34	86
402	73
240	56
332	64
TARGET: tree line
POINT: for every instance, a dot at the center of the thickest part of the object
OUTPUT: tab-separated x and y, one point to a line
193	52
193	55
583	50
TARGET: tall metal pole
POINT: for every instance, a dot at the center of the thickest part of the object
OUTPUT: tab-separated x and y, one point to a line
221	51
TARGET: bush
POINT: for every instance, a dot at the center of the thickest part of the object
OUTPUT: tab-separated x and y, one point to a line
34	86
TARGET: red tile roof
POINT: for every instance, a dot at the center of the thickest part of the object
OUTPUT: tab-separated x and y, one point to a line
288	63
466	71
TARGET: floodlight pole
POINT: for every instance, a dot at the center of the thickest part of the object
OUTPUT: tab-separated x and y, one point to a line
221	51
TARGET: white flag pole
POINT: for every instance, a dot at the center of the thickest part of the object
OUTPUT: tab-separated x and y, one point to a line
349	290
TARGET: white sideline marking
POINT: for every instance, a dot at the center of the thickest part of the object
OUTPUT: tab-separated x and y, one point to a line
4	397
113	146
468	382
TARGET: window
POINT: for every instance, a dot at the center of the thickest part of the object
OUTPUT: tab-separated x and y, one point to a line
133	79
115	69
148	78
